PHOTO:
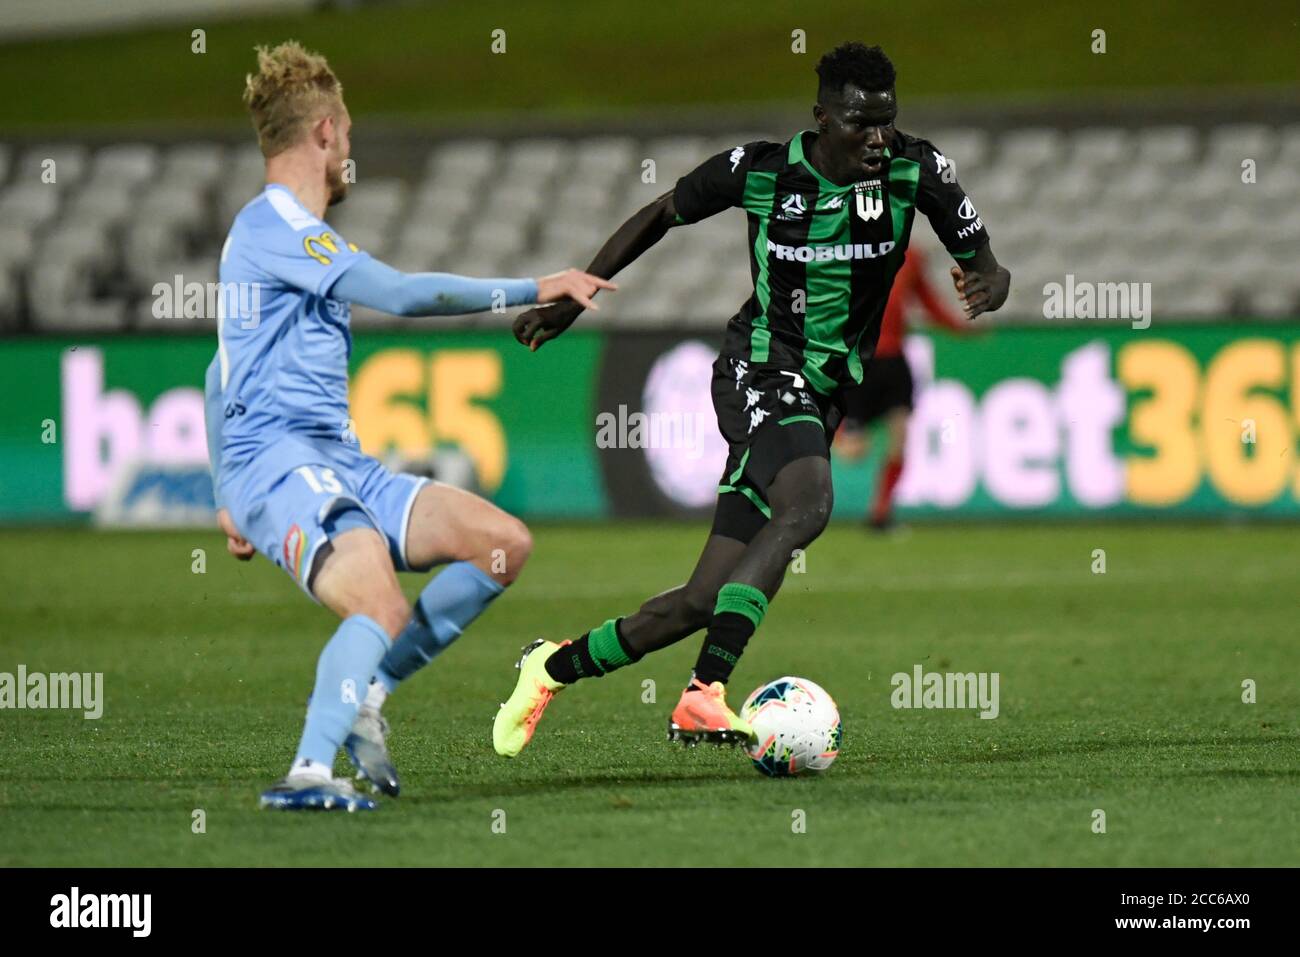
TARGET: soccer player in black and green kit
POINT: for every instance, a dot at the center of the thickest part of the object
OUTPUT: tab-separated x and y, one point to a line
830	213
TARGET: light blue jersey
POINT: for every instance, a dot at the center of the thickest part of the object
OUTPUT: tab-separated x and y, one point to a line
283	344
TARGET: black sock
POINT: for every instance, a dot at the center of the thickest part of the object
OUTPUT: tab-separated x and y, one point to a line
594	655
722	648
736	617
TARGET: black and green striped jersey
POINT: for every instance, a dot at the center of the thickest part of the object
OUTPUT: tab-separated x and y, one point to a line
823	257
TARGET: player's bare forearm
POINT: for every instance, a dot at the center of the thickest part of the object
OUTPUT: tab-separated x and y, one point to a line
982	284
642	230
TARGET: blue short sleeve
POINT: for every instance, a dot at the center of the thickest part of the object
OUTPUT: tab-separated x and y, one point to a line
293	246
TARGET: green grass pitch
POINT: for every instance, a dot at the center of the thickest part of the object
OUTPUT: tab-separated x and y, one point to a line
1119	691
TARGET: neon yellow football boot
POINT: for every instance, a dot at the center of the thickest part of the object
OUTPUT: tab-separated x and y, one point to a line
518	717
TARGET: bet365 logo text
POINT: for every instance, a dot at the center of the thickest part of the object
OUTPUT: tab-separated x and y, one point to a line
1207	416
386	394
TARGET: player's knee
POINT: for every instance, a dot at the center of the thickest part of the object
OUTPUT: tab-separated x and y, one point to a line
391	612
513	545
817	515
806	518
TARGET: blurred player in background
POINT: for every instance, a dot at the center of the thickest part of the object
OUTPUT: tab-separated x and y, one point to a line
290	478
829	214
887	388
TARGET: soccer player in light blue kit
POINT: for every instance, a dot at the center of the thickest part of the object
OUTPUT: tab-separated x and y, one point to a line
291	481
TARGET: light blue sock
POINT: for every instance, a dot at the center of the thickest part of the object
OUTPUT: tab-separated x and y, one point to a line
444	609
342	674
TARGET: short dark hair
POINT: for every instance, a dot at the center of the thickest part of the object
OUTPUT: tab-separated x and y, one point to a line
855	63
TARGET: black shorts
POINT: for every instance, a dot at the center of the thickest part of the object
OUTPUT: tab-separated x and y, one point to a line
886	385
769	417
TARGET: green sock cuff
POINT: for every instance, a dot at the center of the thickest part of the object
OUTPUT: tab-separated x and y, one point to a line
743	600
605	648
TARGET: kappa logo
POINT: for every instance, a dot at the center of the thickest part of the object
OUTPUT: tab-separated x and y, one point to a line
756	417
752	397
735	156
941	162
967	209
741	367
793	206
835	202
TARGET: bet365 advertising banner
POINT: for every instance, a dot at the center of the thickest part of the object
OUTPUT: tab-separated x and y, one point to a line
119	421
1195	420
1188	420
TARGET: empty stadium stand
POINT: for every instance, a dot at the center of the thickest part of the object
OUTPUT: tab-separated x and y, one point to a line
1164	204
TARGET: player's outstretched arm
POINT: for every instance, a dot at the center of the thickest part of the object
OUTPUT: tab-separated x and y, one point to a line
645	228
379	286
982	284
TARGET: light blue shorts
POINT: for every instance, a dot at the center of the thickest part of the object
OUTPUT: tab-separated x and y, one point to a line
298	492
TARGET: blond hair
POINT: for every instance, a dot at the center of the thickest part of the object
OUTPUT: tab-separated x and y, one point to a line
292	89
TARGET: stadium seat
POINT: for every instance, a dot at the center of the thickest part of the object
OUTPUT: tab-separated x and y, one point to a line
1167	146
1033	148
100	204
17	246
124	164
967	148
1288	148
1099	146
28	205
463	164
1237	141
536	159
68	164
197	164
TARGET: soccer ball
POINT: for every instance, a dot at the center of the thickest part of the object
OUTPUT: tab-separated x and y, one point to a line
797	727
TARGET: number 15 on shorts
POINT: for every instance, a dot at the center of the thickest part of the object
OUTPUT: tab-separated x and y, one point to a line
326	482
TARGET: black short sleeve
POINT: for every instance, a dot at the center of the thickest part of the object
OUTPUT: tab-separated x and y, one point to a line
951	212
716	184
